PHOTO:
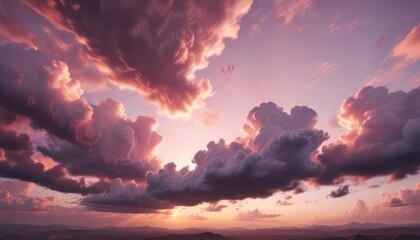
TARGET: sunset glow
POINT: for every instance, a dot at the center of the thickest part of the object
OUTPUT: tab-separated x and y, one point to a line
209	114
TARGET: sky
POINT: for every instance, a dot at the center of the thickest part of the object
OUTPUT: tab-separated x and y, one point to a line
225	113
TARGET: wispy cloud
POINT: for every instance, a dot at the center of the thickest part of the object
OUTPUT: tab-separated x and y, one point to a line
346	27
321	71
405	53
288	10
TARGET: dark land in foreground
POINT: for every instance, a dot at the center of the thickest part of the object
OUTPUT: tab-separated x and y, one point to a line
351	231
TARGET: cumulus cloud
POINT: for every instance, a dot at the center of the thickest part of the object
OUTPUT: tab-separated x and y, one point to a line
340	192
382	137
86	140
215	207
36	87
16	161
150	46
282	144
14	197
254	215
124	148
403	197
278	151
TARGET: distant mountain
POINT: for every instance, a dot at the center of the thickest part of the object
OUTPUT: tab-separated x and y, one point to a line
25	228
198	236
350	231
352	225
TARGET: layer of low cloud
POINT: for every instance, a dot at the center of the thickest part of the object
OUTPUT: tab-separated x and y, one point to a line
14	196
254	215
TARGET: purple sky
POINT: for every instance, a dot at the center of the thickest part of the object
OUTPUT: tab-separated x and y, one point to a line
209	113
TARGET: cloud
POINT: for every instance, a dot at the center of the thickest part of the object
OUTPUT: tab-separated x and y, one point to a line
405	53
86	140
323	69
403	197
36	87
282	147
16	161
278	152
152	47
284	203
399	207
254	215
124	149
208	117
348	27
197	217
128	198
291	9
383	130
409	48
215	207
379	42
228	70
14	197
12	29
275	154
340	192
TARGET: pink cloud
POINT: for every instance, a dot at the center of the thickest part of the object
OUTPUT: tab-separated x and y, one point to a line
405	53
11	28
291	9
322	70
348	27
379	42
208	117
14	196
197	217
157	48
403	197
215	207
409	47
254	215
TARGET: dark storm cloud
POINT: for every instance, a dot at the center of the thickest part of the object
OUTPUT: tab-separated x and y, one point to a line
17	162
124	148
153	47
340	192
382	139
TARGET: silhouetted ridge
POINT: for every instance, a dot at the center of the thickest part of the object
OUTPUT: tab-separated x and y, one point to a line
198	236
